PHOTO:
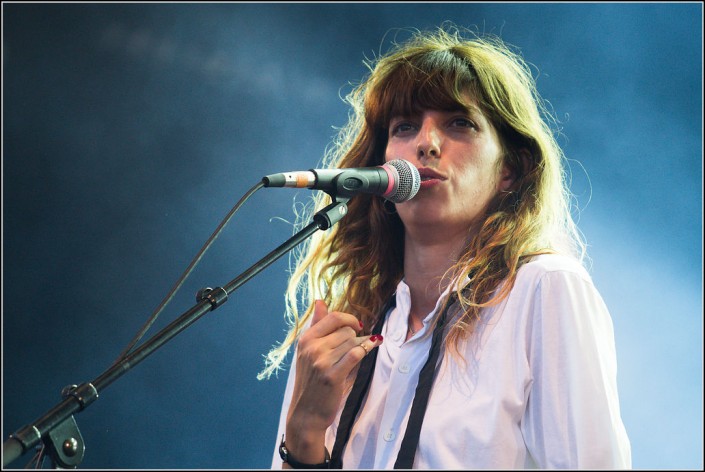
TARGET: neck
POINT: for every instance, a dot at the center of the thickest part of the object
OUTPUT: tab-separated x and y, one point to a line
426	261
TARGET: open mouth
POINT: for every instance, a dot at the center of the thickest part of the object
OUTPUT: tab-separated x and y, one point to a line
430	175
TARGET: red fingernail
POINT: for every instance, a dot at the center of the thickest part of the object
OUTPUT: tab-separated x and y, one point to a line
376	337
361	325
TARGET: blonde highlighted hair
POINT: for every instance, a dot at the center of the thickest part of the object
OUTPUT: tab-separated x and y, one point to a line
356	265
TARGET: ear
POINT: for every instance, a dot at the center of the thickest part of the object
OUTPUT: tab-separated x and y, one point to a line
506	178
513	171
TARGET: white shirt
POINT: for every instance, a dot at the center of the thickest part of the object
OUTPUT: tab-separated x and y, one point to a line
538	388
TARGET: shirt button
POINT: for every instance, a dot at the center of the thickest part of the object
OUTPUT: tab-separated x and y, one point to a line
389	435
404	368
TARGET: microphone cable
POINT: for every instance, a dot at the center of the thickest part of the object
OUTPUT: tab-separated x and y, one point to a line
153	317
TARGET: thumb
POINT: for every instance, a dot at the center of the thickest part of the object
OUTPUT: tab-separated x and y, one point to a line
320	310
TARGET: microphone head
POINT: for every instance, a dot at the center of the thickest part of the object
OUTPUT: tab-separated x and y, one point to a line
408	183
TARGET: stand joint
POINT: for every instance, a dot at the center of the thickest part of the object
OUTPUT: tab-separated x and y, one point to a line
85	394
215	296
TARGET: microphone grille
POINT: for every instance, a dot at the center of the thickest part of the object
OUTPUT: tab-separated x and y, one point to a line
409	181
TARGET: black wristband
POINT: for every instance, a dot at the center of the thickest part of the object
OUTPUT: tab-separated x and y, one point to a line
286	457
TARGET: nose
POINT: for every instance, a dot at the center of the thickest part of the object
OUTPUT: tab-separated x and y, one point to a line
429	143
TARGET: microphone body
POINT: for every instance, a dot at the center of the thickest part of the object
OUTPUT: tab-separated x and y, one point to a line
397	180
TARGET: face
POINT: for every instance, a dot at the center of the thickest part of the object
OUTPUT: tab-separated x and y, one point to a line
458	155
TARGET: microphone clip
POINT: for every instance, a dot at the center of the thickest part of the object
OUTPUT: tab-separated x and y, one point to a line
330	215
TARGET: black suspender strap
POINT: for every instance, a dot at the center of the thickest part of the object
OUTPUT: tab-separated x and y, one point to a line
407	451
405	458
362	383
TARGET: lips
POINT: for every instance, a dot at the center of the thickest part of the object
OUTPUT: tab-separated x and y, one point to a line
430	176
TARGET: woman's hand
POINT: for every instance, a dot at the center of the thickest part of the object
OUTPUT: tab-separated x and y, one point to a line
326	354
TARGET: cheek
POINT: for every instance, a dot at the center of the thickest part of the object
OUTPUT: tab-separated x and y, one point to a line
392	152
480	184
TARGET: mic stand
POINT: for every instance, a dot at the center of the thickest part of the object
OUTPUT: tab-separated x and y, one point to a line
58	429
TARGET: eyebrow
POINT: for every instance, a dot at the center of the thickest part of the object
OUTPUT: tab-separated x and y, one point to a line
476	110
473	110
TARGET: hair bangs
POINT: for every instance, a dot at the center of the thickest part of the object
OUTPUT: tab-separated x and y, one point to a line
434	80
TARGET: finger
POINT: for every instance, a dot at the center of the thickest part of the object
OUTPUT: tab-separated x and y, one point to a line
344	351
324	322
329	331
359	350
335	345
320	310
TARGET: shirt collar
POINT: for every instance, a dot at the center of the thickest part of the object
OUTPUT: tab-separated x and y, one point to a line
403	295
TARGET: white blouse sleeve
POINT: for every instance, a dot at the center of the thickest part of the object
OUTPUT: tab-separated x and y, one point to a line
572	420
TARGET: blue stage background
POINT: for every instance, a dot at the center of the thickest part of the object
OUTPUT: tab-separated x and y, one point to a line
130	130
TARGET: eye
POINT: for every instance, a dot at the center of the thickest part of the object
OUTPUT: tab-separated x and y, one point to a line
401	127
462	122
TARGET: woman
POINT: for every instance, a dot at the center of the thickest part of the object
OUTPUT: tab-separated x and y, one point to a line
479	278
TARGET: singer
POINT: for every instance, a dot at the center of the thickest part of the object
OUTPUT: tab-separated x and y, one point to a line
458	329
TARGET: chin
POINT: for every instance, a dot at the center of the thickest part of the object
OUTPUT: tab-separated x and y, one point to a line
419	216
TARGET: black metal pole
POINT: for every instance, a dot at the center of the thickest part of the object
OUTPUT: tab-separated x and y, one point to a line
78	398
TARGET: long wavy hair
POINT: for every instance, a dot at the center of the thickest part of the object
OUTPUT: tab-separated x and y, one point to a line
356	265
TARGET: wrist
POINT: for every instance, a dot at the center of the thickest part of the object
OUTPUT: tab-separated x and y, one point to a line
296	463
305	444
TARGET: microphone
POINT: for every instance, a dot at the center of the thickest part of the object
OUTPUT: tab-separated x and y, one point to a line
397	180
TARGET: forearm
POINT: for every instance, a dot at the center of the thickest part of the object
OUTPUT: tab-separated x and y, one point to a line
305	432
304	444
